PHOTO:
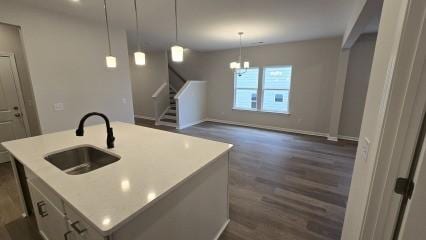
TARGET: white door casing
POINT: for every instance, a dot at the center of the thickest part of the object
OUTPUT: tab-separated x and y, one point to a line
403	119
13	121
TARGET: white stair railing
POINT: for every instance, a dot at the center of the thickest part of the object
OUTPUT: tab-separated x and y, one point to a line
161	101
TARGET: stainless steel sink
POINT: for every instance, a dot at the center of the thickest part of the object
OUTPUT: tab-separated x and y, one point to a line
81	160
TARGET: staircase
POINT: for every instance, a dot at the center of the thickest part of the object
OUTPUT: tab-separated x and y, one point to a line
169	117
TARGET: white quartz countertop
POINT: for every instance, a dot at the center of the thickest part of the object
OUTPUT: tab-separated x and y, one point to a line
153	162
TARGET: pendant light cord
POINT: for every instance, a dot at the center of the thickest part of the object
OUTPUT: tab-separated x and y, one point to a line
241	47
176	21
137	26
107	27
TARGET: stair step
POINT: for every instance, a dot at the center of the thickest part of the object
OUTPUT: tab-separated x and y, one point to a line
173	108
168	120
170	113
170	124
169	117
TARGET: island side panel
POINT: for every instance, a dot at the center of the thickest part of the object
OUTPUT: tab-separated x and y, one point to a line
197	209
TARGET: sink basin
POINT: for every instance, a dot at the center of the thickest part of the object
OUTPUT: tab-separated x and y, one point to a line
81	160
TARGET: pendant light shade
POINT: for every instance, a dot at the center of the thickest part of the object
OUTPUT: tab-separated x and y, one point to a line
177	53
246	64
111	62
140	58
235	65
139	55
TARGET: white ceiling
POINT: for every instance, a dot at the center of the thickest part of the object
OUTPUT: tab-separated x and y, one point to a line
213	24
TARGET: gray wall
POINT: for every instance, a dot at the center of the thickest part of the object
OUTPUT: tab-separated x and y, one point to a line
10	42
314	74
315	65
146	80
358	75
66	60
191	67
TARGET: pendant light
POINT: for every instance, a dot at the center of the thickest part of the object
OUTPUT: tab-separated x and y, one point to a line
139	55
177	51
236	66
111	61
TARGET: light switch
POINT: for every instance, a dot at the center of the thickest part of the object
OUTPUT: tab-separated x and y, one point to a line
365	147
124	100
58	106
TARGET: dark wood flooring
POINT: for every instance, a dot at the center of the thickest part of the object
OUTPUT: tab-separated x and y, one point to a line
282	186
12	225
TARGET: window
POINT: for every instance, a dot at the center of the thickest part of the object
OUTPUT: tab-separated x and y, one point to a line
246	88
276	89
270	95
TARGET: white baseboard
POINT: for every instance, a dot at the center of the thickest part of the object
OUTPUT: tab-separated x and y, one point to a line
144	117
334	139
221	230
191	124
279	129
355	139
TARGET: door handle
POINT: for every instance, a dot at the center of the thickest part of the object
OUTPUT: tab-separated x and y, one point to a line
80	231
18	115
41	212
15	108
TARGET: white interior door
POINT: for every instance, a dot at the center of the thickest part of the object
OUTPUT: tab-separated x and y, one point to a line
12	122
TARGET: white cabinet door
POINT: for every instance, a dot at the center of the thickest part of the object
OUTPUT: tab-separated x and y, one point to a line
50	221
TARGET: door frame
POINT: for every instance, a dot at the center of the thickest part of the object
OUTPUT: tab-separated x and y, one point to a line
405	106
19	91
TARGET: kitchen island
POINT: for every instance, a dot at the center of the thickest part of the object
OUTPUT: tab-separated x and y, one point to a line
161	185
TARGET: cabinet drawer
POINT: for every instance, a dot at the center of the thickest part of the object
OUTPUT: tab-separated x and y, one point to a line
80	227
50	222
46	190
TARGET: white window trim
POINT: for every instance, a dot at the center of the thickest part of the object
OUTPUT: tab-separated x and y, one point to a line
260	90
234	107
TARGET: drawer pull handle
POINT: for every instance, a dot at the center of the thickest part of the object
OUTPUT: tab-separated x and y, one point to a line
66	235
74	225
41	212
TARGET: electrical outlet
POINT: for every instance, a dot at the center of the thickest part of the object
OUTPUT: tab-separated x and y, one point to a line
365	148
58	106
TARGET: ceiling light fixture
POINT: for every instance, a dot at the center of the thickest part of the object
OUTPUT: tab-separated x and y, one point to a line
139	55
177	51
236	66
111	61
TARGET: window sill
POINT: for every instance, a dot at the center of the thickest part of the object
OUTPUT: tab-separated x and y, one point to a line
260	111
